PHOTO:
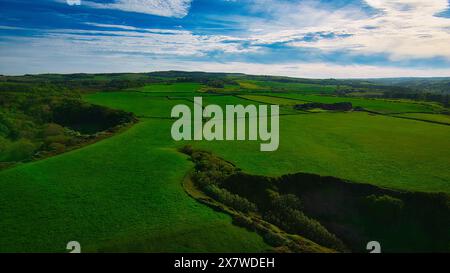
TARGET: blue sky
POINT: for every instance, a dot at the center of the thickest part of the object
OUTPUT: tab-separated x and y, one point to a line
302	38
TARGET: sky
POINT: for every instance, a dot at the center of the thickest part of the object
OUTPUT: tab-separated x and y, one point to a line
299	38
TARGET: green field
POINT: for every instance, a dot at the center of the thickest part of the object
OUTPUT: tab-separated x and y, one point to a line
271	100
382	150
429	117
125	193
305	88
377	105
122	194
176	87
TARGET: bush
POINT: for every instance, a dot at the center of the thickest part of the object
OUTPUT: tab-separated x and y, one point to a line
5	126
4	144
384	208
52	129
216	83
57	147
295	221
20	150
233	200
242	221
274	239
188	150
62	139
287	201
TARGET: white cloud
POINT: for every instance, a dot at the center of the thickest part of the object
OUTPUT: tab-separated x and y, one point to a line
166	8
120	40
73	2
402	29
46	57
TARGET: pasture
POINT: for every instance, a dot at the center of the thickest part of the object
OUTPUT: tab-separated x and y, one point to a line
124	193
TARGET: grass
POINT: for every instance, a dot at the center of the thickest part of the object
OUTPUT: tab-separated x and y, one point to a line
377	105
125	193
139	103
271	100
304	88
384	151
121	194
175	87
249	85
429	117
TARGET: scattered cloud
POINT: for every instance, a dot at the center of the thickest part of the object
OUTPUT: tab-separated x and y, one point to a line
73	2
166	8
400	28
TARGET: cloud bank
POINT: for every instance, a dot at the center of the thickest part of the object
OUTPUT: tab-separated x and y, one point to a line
166	8
399	28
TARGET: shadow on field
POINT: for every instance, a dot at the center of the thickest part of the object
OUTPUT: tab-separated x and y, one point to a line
332	212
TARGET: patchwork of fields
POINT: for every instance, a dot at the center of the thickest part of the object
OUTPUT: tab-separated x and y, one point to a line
359	146
125	193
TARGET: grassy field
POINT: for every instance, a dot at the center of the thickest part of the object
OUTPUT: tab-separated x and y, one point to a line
139	103
285	86
121	194
125	194
176	87
271	100
382	150
385	151
377	105
429	117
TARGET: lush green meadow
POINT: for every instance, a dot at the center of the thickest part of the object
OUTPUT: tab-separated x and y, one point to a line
382	150
427	116
377	105
121	194
177	87
271	100
304	88
125	194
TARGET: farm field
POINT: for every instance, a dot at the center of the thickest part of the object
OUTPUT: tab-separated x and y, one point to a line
133	180
430	117
271	100
377	105
285	86
112	198
407	154
178	87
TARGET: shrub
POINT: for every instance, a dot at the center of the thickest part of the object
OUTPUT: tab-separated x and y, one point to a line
383	208
287	201
62	139
4	144
20	150
295	221
57	147
241	220
5	126
187	149
233	200
274	239
52	129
